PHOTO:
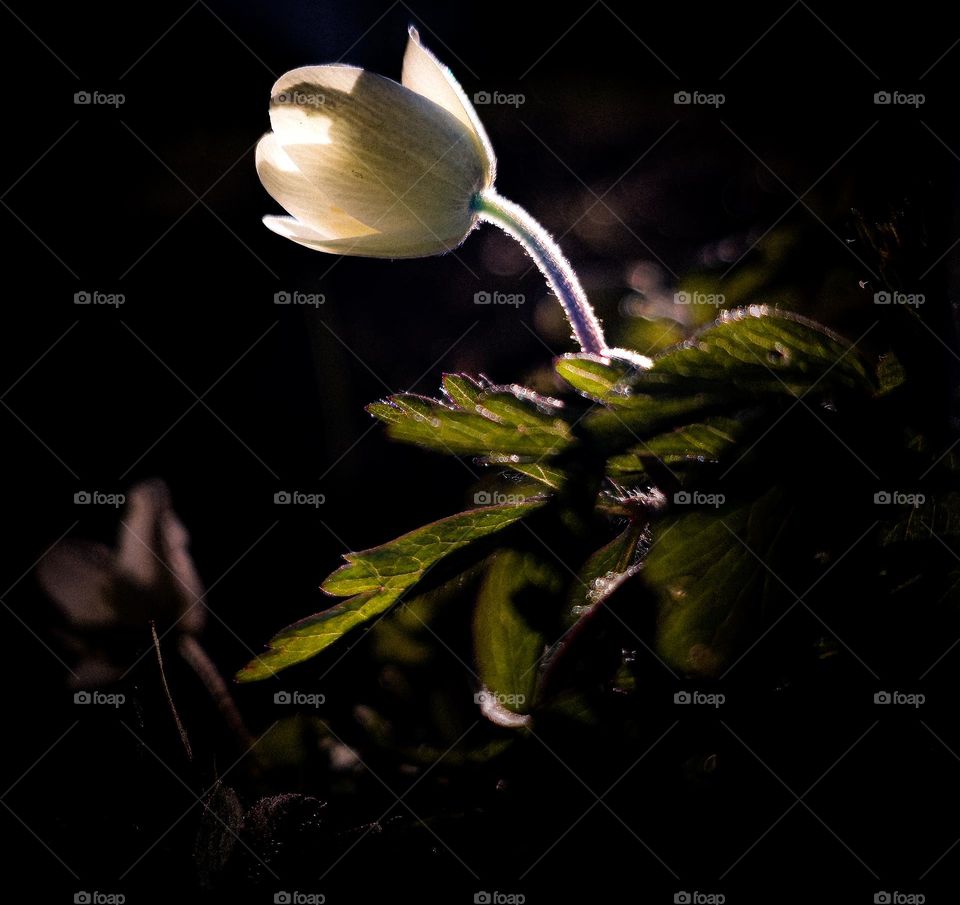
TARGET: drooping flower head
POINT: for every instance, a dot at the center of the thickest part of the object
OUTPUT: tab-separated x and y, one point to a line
371	167
368	166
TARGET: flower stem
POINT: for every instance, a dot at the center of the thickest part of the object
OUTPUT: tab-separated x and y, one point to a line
515	221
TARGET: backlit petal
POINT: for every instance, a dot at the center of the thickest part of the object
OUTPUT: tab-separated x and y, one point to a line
287	185
425	74
374	245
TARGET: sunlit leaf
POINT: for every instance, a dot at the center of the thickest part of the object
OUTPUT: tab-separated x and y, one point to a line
378	577
602	569
707	441
710	570
747	355
551	477
762	350
476	420
507	647
599	378
604	572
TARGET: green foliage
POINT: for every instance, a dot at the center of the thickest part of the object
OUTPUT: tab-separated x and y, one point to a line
378	578
507	647
621	461
476	420
712	572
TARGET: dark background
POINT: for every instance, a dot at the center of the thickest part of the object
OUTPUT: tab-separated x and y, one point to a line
105	199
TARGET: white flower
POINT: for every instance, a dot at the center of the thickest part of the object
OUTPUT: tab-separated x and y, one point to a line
367	166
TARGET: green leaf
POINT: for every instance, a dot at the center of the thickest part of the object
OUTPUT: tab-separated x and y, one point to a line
706	441
599	378
462	390
761	350
602	570
379	577
402	562
508	649
306	638
747	355
643	416
599	578
551	477
710	587
477	420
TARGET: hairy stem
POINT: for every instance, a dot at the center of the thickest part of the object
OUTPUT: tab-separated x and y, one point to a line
515	221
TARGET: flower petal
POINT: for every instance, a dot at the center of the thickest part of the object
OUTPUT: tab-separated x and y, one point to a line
425	74
388	156
287	185
299	109
374	245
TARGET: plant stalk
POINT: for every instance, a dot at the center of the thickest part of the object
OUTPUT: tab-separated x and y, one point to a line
559	274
